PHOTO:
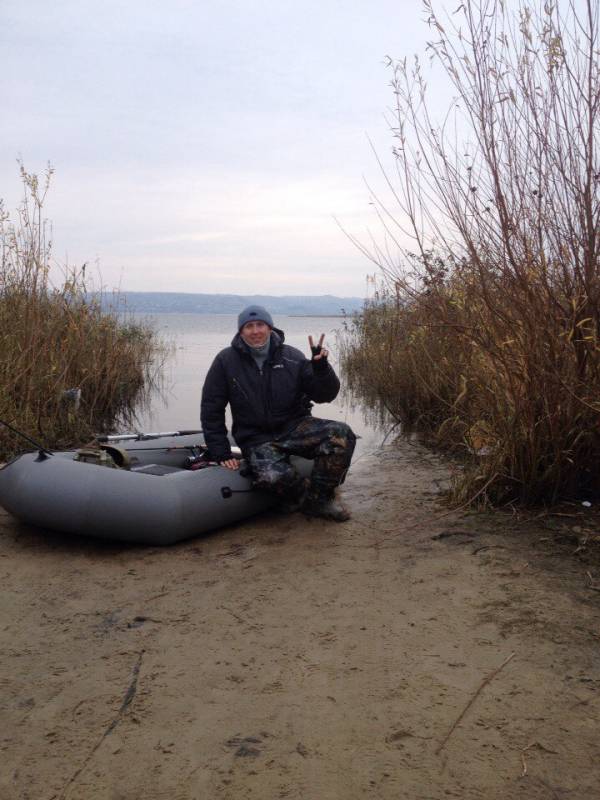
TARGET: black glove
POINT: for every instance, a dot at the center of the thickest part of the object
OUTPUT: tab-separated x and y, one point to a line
320	364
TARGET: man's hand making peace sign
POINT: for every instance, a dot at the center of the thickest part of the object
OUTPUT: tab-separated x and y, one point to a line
318	351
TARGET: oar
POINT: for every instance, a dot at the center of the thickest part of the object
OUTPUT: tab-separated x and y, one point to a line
140	437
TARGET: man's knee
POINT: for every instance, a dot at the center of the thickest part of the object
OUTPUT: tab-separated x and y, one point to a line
346	433
340	438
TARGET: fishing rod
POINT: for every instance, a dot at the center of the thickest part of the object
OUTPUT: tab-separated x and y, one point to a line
43	452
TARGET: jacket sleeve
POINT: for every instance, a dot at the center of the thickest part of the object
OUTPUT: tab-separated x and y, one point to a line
319	381
215	396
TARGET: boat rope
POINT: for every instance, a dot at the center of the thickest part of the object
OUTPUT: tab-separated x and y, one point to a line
42	450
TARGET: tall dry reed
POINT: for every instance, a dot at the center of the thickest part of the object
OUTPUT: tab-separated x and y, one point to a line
488	338
68	369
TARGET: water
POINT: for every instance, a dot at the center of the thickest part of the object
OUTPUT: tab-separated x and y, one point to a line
197	338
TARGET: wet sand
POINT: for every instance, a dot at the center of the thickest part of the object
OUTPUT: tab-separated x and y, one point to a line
410	653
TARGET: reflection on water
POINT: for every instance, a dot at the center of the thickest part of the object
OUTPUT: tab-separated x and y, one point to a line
197	338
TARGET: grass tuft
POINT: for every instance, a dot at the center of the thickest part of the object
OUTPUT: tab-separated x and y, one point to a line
68	368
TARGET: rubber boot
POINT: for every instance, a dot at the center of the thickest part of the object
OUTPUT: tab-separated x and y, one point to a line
325	506
294	501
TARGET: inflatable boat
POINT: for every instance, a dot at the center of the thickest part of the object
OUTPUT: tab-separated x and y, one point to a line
152	489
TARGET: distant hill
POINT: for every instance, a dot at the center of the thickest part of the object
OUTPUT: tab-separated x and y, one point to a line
183	303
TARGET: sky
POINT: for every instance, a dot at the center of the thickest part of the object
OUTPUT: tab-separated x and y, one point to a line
204	145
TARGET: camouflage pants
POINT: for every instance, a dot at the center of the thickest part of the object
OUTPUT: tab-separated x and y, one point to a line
330	444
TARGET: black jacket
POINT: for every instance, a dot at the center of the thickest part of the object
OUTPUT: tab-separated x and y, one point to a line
264	405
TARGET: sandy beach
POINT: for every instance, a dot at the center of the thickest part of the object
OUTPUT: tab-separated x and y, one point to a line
410	653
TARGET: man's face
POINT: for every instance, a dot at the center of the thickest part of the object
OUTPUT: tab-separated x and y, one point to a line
255	333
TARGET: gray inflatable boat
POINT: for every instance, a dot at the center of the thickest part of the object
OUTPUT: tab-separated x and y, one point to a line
147	489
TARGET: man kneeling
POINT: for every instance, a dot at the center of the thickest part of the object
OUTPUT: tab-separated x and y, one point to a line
269	387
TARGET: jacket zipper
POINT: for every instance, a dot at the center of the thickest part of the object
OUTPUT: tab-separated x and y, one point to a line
264	386
267	378
265	381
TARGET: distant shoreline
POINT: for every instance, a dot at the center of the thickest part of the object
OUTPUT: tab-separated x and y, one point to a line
142	313
192	303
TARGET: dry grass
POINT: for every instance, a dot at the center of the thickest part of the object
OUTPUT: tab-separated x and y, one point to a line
504	392
56	339
488	339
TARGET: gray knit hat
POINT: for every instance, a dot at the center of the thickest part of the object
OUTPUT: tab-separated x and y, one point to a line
254	313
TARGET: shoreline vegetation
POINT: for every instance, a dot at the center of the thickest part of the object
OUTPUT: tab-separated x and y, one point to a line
486	337
69	369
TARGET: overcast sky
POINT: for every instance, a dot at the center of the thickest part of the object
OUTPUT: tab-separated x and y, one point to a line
205	145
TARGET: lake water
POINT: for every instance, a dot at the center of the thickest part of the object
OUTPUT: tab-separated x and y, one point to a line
197	338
